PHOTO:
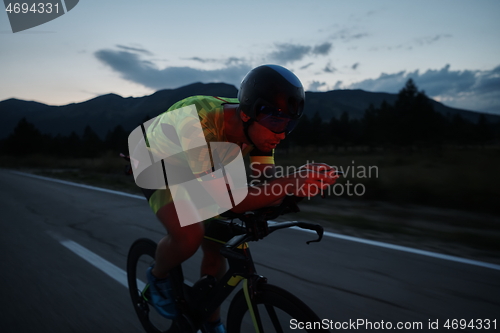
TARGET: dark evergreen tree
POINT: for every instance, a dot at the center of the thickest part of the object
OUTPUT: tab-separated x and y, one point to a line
333	130
117	139
67	146
417	122
26	139
460	130
369	126
315	136
385	123
344	132
300	135
484	131
412	120
92	145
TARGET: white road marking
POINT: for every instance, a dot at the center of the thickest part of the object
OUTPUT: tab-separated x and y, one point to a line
113	271
328	234
79	185
97	261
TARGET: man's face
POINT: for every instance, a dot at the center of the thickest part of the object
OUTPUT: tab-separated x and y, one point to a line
263	138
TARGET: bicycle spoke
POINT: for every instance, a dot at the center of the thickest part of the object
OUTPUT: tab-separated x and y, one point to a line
274	318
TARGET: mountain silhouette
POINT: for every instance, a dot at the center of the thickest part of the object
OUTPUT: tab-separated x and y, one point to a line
103	113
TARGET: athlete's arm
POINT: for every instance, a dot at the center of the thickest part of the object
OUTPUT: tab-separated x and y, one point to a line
304	183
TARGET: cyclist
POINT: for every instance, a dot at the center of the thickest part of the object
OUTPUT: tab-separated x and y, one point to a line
269	104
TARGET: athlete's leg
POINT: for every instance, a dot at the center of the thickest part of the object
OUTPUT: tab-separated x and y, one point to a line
180	243
214	264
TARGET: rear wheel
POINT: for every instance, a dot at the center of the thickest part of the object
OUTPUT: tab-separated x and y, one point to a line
141	256
278	310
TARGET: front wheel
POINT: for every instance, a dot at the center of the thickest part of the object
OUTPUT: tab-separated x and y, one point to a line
279	311
141	256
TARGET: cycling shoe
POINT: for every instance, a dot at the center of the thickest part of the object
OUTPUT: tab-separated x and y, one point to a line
161	296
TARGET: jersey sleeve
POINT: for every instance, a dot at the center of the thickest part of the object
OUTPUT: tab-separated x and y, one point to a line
257	156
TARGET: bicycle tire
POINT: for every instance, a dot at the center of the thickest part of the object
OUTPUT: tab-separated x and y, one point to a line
143	251
270	298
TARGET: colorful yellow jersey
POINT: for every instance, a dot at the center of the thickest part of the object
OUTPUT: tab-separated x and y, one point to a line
163	137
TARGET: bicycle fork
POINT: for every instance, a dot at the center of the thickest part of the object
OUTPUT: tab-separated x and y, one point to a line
250	290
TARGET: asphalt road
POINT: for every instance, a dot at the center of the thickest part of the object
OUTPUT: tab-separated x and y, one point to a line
46	287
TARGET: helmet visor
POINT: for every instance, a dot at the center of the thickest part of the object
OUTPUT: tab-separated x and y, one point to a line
275	120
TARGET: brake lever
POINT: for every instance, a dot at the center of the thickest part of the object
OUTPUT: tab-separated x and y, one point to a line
316	227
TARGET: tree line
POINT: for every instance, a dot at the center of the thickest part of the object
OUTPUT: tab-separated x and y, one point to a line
27	139
411	121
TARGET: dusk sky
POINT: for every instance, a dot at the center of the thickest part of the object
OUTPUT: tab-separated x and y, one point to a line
136	47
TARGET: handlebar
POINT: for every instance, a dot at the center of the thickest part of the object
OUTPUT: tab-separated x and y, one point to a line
257	226
303	225
228	249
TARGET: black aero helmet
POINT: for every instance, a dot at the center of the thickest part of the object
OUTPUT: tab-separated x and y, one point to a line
272	87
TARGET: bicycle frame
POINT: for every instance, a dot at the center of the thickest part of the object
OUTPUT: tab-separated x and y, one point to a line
241	268
199	305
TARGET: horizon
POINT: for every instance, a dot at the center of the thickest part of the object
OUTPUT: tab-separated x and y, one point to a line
450	50
209	83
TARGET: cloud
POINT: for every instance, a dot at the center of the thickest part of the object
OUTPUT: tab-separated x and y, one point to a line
348	35
202	60
468	89
355	66
316	85
322	49
132	68
329	68
307	66
133	49
431	39
287	53
234	60
409	45
226	61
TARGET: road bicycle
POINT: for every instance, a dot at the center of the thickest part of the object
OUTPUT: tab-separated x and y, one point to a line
257	307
